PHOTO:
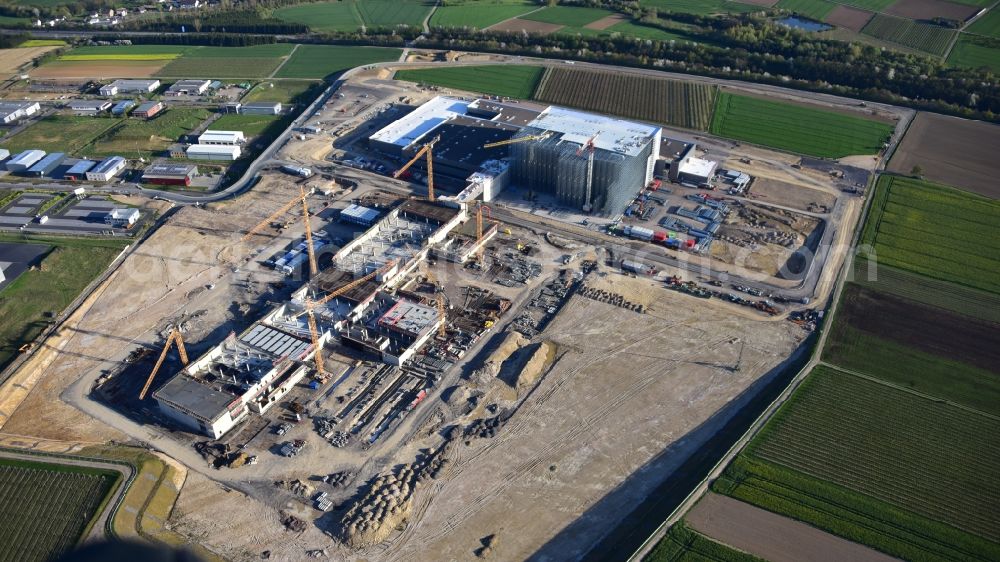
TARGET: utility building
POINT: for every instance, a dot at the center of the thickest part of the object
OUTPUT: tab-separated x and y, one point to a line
224	153
623	152
46	165
107	169
170	174
222	137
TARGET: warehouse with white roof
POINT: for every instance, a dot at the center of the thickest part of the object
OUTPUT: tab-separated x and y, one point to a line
624	154
221	137
222	153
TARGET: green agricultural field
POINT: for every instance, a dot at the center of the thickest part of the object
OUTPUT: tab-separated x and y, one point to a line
988	25
815	9
46	508
110	51
980	3
285	91
569	16
634	29
973	51
942	294
29	303
923	37
321	61
936	231
220	67
480	14
916	346
908	475
515	81
251	125
654	100
682	544
870	5
269	50
701	7
390	13
804	130
136	137
42	43
59	133
323	16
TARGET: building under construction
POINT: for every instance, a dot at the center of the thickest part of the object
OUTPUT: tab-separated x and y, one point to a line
249	372
587	161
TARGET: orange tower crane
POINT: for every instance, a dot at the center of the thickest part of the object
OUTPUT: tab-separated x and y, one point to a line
427	149
311	305
173	338
313	266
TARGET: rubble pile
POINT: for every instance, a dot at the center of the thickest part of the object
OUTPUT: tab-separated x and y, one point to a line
389	500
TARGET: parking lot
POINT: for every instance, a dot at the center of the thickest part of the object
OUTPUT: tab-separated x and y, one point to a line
66	214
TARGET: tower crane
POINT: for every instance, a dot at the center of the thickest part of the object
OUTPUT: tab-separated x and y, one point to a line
516	140
313	266
311	305
589	147
442	327
479	227
173	338
426	149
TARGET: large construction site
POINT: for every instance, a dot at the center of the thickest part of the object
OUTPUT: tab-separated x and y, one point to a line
480	328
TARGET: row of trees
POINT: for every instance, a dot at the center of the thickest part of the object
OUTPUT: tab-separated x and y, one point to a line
217	21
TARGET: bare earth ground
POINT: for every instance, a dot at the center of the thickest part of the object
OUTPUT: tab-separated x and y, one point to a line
790	195
623	388
98	69
517	24
154	285
951	151
606	22
851	18
11	60
772	536
927	9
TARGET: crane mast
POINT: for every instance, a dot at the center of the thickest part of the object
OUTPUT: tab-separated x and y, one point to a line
425	150
172	339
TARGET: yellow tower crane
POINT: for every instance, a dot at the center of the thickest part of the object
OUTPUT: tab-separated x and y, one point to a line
442	328
427	149
516	140
311	305
313	266
173	338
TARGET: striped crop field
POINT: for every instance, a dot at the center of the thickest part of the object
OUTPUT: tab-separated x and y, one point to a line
908	33
936	231
795	128
46	508
655	100
510	80
120	56
878	465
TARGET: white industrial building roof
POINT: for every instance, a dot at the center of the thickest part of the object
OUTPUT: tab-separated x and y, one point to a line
227	149
228	137
359	213
697	167
108	164
420	121
615	135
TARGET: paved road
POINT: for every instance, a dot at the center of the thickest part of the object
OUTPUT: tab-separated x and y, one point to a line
98	531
